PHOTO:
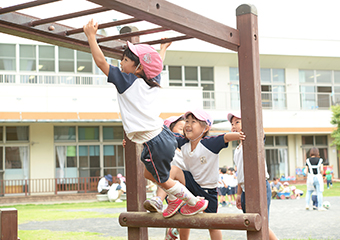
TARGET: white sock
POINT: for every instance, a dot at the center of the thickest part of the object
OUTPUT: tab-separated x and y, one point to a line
181	192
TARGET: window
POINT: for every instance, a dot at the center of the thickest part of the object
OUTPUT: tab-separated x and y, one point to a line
276	153
273	89
1	162
1	134
191	77
84	62
46	59
88	134
66	162
66	60
113	133
113	159
318	141
64	134
319	89
16	133
27	57
7	57
175	76
89	161
88	151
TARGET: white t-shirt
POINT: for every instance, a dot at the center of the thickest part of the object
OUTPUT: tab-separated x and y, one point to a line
178	160
228	180
103	184
139	105
203	161
238	159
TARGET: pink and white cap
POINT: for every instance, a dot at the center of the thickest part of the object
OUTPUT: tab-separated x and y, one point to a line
201	115
149	58
231	115
169	120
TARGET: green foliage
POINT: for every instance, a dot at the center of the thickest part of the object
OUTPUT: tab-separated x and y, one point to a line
336	121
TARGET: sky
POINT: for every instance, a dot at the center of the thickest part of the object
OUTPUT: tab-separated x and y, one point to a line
291	19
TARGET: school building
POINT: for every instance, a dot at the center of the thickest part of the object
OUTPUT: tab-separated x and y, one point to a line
59	118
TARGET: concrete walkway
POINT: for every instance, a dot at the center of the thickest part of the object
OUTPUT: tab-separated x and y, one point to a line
288	219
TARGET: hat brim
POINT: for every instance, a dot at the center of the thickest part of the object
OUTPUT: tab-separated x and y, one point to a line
132	48
231	115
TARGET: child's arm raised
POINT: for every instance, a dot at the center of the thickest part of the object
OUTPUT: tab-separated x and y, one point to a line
164	47
233	136
90	30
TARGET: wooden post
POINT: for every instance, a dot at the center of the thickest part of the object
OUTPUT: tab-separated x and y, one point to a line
135	186
9	224
251	111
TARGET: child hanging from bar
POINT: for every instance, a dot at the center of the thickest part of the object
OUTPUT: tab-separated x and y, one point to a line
138	87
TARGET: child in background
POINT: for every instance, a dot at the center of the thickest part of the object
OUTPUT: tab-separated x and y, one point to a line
236	126
223	189
286	188
228	180
329	178
315	200
220	186
138	86
296	192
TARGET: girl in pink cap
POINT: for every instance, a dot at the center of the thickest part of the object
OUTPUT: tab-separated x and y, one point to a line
137	84
200	171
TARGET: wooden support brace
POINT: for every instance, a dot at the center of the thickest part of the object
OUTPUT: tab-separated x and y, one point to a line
8	224
248	221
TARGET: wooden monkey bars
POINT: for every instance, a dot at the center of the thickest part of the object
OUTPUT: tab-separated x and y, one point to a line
167	16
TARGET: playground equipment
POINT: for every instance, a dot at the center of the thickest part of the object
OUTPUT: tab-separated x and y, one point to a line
243	40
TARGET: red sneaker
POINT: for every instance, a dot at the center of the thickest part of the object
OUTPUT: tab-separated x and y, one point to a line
200	206
171	234
172	208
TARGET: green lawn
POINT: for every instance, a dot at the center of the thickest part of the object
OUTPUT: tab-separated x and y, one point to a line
50	212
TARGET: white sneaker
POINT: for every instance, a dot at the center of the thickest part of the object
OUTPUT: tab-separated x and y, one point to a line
322	209
119	200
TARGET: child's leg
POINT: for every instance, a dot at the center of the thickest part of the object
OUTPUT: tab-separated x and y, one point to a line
215	234
184	233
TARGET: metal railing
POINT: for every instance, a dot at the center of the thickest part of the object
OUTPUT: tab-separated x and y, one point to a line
48	185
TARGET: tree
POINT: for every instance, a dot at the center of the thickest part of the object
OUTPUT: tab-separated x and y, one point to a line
336	121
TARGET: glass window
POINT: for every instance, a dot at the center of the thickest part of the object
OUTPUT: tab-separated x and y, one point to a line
84	62
113	160
278	75
66	59
307	140
320	140
12	158
7	57
67	157
207	74
175	76
265	75
207	87
269	141
16	133
234	75
64	134
323	76
27	58
89	161
306	76
113	133
191	77
336	76
88	133
46	59
281	141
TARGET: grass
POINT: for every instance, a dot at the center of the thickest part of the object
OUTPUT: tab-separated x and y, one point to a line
331	192
51	212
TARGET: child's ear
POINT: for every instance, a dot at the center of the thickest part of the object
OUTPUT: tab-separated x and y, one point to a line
139	70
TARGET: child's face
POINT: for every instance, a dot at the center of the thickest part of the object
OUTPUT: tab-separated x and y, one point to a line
193	128
127	65
178	128
236	124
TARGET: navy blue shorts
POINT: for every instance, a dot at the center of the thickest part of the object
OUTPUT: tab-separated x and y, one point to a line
231	190
158	154
209	194
269	197
224	191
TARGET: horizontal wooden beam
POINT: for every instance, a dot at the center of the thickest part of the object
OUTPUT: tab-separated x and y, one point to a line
25	5
11	23
247	221
171	16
